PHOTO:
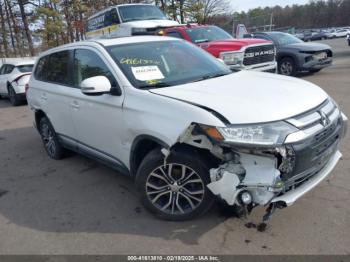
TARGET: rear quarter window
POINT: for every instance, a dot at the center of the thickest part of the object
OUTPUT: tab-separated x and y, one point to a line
40	73
54	68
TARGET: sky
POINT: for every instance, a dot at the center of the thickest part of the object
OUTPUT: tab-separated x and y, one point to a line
245	5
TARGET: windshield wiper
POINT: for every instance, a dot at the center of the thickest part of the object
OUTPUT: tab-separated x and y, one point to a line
154	18
209	76
157	85
202	41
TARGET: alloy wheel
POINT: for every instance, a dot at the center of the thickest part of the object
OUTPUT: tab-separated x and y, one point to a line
175	189
48	138
286	68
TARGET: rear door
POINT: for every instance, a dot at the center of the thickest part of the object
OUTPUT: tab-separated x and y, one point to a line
52	87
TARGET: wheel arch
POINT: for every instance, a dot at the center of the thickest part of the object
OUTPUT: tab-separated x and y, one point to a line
38	115
141	146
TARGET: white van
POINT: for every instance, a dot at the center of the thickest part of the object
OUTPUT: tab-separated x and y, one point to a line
127	20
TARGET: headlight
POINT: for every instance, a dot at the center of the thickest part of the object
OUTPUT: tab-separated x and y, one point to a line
259	134
232	58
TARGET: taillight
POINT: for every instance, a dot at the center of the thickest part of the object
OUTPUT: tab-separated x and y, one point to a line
26	87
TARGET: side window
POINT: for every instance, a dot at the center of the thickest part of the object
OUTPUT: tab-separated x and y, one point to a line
58	68
174	34
8	69
2	69
88	64
114	16
41	69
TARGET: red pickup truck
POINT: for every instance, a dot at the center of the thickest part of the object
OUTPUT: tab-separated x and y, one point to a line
238	54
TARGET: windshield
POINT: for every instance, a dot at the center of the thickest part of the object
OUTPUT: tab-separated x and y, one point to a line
25	68
207	34
140	12
165	63
284	39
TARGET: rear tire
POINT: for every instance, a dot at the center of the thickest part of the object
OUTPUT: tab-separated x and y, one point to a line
178	190
50	139
14	99
287	67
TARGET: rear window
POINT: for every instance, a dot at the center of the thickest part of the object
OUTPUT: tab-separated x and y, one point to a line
25	68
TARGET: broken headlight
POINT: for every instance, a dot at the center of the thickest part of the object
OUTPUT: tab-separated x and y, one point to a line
258	134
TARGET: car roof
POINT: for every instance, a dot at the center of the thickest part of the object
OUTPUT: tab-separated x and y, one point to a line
24	61
112	41
115	6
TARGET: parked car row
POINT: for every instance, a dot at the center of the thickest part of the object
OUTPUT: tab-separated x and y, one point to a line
322	34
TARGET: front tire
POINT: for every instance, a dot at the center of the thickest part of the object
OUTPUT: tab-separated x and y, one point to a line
177	190
287	67
14	99
50	140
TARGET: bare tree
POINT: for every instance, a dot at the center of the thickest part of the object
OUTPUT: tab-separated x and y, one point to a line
3	30
26	27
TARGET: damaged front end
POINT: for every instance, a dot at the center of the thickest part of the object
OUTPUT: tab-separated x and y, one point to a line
256	166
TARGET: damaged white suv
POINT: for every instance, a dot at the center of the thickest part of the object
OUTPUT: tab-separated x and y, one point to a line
183	125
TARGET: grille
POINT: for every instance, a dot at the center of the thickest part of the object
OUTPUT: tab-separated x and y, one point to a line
324	126
259	54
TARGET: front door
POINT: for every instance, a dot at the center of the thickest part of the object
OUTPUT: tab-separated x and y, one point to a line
97	119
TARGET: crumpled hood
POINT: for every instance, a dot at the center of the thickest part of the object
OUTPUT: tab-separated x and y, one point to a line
250	97
152	23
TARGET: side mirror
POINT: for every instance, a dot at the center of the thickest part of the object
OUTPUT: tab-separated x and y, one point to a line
96	85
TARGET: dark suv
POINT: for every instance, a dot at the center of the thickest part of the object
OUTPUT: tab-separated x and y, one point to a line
294	55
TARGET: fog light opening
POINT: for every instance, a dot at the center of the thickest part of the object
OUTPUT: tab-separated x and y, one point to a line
246	198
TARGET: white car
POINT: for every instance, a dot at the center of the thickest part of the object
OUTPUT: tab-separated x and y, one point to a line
13	78
340	33
183	125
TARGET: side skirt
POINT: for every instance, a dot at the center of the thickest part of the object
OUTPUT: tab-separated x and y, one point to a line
94	154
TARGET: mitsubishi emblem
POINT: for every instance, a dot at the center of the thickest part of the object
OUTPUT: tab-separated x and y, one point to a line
324	118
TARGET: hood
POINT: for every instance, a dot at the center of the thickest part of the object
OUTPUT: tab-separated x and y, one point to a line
234	43
308	46
250	97
218	46
152	23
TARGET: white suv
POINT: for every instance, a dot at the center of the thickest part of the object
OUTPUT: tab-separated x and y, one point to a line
183	125
13	78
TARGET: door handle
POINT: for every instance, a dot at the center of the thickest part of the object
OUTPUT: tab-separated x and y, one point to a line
75	105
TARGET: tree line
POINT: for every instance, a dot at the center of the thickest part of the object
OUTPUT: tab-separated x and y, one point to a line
315	14
31	26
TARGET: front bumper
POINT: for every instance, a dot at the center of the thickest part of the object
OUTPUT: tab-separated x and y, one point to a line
265	67
316	64
291	196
